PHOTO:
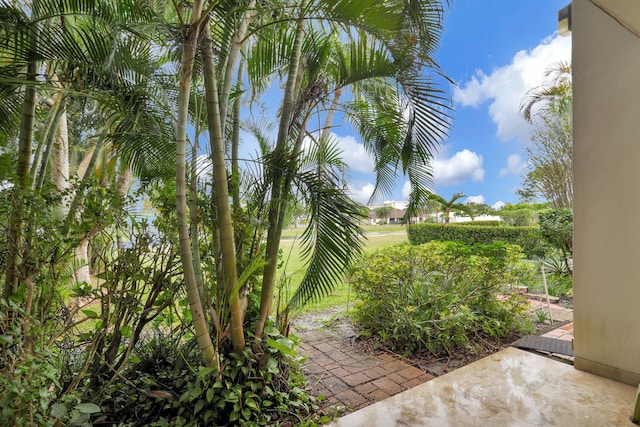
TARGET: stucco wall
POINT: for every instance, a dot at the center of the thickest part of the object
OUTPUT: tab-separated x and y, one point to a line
606	87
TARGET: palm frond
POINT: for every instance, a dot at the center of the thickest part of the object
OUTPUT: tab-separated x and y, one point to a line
332	239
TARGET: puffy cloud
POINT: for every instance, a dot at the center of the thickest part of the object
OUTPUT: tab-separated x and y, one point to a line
354	153
505	86
363	193
406	190
514	166
498	205
476	199
462	166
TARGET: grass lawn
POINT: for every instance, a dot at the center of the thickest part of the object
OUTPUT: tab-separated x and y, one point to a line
378	236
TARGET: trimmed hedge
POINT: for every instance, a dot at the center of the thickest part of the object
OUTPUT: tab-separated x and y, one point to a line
478	223
528	238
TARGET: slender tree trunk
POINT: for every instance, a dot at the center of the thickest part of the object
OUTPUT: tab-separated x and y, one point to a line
25	143
76	203
232	59
200	325
225	226
235	168
81	261
326	130
193	211
277	201
60	154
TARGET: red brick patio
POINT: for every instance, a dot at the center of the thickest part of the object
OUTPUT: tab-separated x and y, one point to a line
348	377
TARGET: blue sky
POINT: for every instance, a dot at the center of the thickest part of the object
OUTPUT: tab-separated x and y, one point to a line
494	50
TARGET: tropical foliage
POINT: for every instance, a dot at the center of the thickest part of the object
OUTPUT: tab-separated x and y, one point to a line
439	295
99	97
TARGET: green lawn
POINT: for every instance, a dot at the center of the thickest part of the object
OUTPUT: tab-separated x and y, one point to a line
377	237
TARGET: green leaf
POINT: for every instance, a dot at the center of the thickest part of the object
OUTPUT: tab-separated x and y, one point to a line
6	339
89	313
246	413
272	366
250	403
199	406
126	331
210	393
87	408
271	331
283	345
58	410
204	371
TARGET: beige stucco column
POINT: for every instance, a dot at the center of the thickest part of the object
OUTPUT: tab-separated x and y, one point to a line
606	93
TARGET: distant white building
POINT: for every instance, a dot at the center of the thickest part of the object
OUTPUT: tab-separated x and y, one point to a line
455	218
401	205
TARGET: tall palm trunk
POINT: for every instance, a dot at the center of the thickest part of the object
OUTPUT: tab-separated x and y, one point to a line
25	143
225	226
278	196
203	337
232	59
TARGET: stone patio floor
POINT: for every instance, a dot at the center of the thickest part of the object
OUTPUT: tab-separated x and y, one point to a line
353	379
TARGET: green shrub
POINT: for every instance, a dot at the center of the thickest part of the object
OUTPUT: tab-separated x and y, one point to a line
528	238
478	223
556	227
437	295
168	386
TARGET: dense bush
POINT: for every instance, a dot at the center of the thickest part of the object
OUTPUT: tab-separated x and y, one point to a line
528	238
169	387
556	227
486	223
437	295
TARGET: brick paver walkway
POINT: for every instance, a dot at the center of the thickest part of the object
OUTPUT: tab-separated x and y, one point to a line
346	376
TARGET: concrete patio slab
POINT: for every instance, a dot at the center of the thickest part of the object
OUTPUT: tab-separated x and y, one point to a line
509	388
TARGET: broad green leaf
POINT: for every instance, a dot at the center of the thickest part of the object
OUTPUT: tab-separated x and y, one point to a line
87	408
89	313
58	410
271	331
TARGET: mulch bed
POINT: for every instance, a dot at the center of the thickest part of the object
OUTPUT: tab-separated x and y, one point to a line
439	364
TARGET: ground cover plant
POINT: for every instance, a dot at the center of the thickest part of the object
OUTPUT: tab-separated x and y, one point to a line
439	295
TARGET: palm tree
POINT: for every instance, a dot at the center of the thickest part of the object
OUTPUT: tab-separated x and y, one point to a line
558	92
450	205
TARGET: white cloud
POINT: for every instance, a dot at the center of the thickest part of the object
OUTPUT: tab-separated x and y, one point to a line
464	165
514	166
362	194
406	190
354	153
498	205
505	86
476	199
